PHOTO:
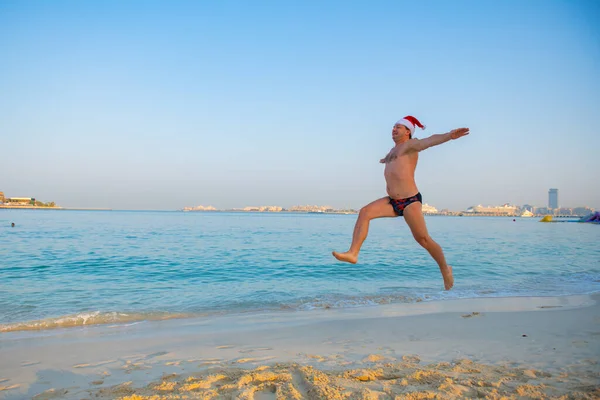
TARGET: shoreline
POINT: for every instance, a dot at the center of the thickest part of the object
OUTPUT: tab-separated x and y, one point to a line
353	349
91	319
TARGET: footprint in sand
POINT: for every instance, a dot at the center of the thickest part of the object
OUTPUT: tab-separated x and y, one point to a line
530	373
473	314
373	358
134	366
251	360
93	365
255	349
2	388
338	342
411	358
158	354
51	394
29	363
210	361
316	357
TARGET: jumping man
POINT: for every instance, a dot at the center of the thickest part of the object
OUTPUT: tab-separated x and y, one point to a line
404	199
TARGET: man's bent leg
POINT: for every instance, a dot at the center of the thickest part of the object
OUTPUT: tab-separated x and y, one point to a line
416	222
377	209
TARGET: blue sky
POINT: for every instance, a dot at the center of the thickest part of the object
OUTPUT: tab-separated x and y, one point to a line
161	105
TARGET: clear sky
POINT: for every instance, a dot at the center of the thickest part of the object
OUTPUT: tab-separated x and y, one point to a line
166	104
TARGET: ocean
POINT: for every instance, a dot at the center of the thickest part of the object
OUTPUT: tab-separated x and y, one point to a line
66	268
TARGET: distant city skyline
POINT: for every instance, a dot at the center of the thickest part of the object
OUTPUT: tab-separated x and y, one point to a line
552	199
426	207
162	105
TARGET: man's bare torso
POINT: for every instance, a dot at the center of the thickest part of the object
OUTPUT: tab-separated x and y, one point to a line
400	173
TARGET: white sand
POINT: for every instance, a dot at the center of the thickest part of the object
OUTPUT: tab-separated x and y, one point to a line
512	347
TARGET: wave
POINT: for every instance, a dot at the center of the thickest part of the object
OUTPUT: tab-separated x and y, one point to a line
323	302
327	302
102	318
89	319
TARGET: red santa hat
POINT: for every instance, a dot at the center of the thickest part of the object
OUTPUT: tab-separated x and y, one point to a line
411	122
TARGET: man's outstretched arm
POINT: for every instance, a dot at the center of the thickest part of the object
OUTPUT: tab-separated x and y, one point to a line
434	140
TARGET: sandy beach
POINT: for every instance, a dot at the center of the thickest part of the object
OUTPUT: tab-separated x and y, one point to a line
515	348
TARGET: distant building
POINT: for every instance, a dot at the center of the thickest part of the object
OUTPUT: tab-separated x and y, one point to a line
427	209
311	208
582	211
263	209
526	213
564	211
553	198
21	200
528	207
200	208
505	209
1	197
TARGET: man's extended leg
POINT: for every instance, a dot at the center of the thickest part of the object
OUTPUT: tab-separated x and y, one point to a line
415	220
377	209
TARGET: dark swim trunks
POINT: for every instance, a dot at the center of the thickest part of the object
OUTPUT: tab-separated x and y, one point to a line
401	204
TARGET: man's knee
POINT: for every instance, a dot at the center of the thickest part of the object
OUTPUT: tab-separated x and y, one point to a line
365	212
423	240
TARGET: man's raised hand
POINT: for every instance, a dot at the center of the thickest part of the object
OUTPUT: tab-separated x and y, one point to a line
458	133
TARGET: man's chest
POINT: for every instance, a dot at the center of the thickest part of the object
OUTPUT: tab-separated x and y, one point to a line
400	163
395	156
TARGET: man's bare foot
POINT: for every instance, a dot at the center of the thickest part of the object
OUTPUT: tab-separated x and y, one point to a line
448	278
346	257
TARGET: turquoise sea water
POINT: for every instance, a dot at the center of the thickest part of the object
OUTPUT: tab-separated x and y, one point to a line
63	268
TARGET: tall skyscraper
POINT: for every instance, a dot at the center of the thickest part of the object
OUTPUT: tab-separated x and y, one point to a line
553	198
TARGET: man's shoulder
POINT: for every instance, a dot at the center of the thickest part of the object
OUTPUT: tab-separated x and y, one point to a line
410	145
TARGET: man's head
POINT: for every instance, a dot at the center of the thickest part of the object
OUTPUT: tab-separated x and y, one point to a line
400	133
404	129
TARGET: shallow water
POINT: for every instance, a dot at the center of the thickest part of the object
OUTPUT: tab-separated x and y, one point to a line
66	268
